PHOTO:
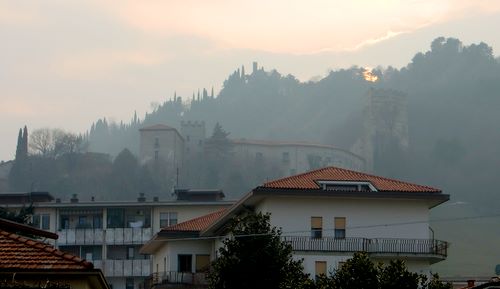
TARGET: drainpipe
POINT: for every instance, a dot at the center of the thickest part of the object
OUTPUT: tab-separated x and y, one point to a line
432	232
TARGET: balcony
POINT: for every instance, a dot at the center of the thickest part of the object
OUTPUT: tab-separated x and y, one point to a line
125	268
115	236
80	237
433	249
170	279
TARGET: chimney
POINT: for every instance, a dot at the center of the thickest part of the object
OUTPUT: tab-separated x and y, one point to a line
74	199
470	283
155	199
92	199
141	198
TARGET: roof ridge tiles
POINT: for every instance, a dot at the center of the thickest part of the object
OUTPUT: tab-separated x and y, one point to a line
308	180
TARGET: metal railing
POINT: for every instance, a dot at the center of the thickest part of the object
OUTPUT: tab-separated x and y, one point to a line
126	268
171	277
374	246
112	236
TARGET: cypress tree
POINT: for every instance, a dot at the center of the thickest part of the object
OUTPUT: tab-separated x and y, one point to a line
19	145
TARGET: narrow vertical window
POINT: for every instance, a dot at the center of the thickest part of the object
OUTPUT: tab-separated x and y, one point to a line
202	263
316	227
320	268
340	227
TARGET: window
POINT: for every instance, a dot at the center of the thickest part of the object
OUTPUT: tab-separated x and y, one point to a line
340	227
286	157
200	143
130	253
129	283
259	156
82	221
187	138
41	221
64	222
184	263
36	221
156	156
202	263
168	219
97	222
320	268
316	227
45	221
157	143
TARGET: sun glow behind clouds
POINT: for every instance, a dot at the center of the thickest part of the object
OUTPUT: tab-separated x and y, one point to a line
369	76
298	27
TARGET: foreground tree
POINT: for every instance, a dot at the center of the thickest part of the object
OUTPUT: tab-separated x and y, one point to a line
360	272
256	258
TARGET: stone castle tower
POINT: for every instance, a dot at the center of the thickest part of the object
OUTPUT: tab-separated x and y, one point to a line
385	126
194	135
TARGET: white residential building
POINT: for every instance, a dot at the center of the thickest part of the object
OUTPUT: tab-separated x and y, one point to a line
326	215
110	233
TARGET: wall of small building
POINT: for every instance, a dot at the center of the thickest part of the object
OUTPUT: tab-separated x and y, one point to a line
170	147
166	258
298	158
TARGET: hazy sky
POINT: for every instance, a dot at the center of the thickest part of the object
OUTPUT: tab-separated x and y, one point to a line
66	63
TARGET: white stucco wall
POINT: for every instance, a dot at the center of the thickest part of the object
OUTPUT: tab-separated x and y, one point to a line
293	215
172	249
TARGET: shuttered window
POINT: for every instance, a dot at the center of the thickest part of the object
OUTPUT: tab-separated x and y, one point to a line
316	227
340	224
202	263
320	268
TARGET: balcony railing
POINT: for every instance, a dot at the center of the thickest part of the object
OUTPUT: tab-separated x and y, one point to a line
126	268
120	236
372	246
187	279
114	236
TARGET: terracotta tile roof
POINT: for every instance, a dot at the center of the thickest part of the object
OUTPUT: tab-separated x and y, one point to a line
17	252
196	224
308	181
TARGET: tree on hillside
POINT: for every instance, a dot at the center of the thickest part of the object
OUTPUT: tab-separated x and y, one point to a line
125	173
256	258
217	153
18	175
47	142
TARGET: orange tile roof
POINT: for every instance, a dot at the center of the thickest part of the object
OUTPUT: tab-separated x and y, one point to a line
308	181
196	224
21	253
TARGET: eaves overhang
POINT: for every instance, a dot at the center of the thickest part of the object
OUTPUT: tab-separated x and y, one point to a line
436	198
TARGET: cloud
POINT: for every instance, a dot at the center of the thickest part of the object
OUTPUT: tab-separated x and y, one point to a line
99	63
298	27
19	15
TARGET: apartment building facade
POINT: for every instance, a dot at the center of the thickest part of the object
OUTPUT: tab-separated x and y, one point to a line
110	233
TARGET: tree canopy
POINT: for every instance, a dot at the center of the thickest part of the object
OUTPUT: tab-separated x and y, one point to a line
255	257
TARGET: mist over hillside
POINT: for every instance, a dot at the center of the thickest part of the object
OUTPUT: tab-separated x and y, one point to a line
451	102
453	95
